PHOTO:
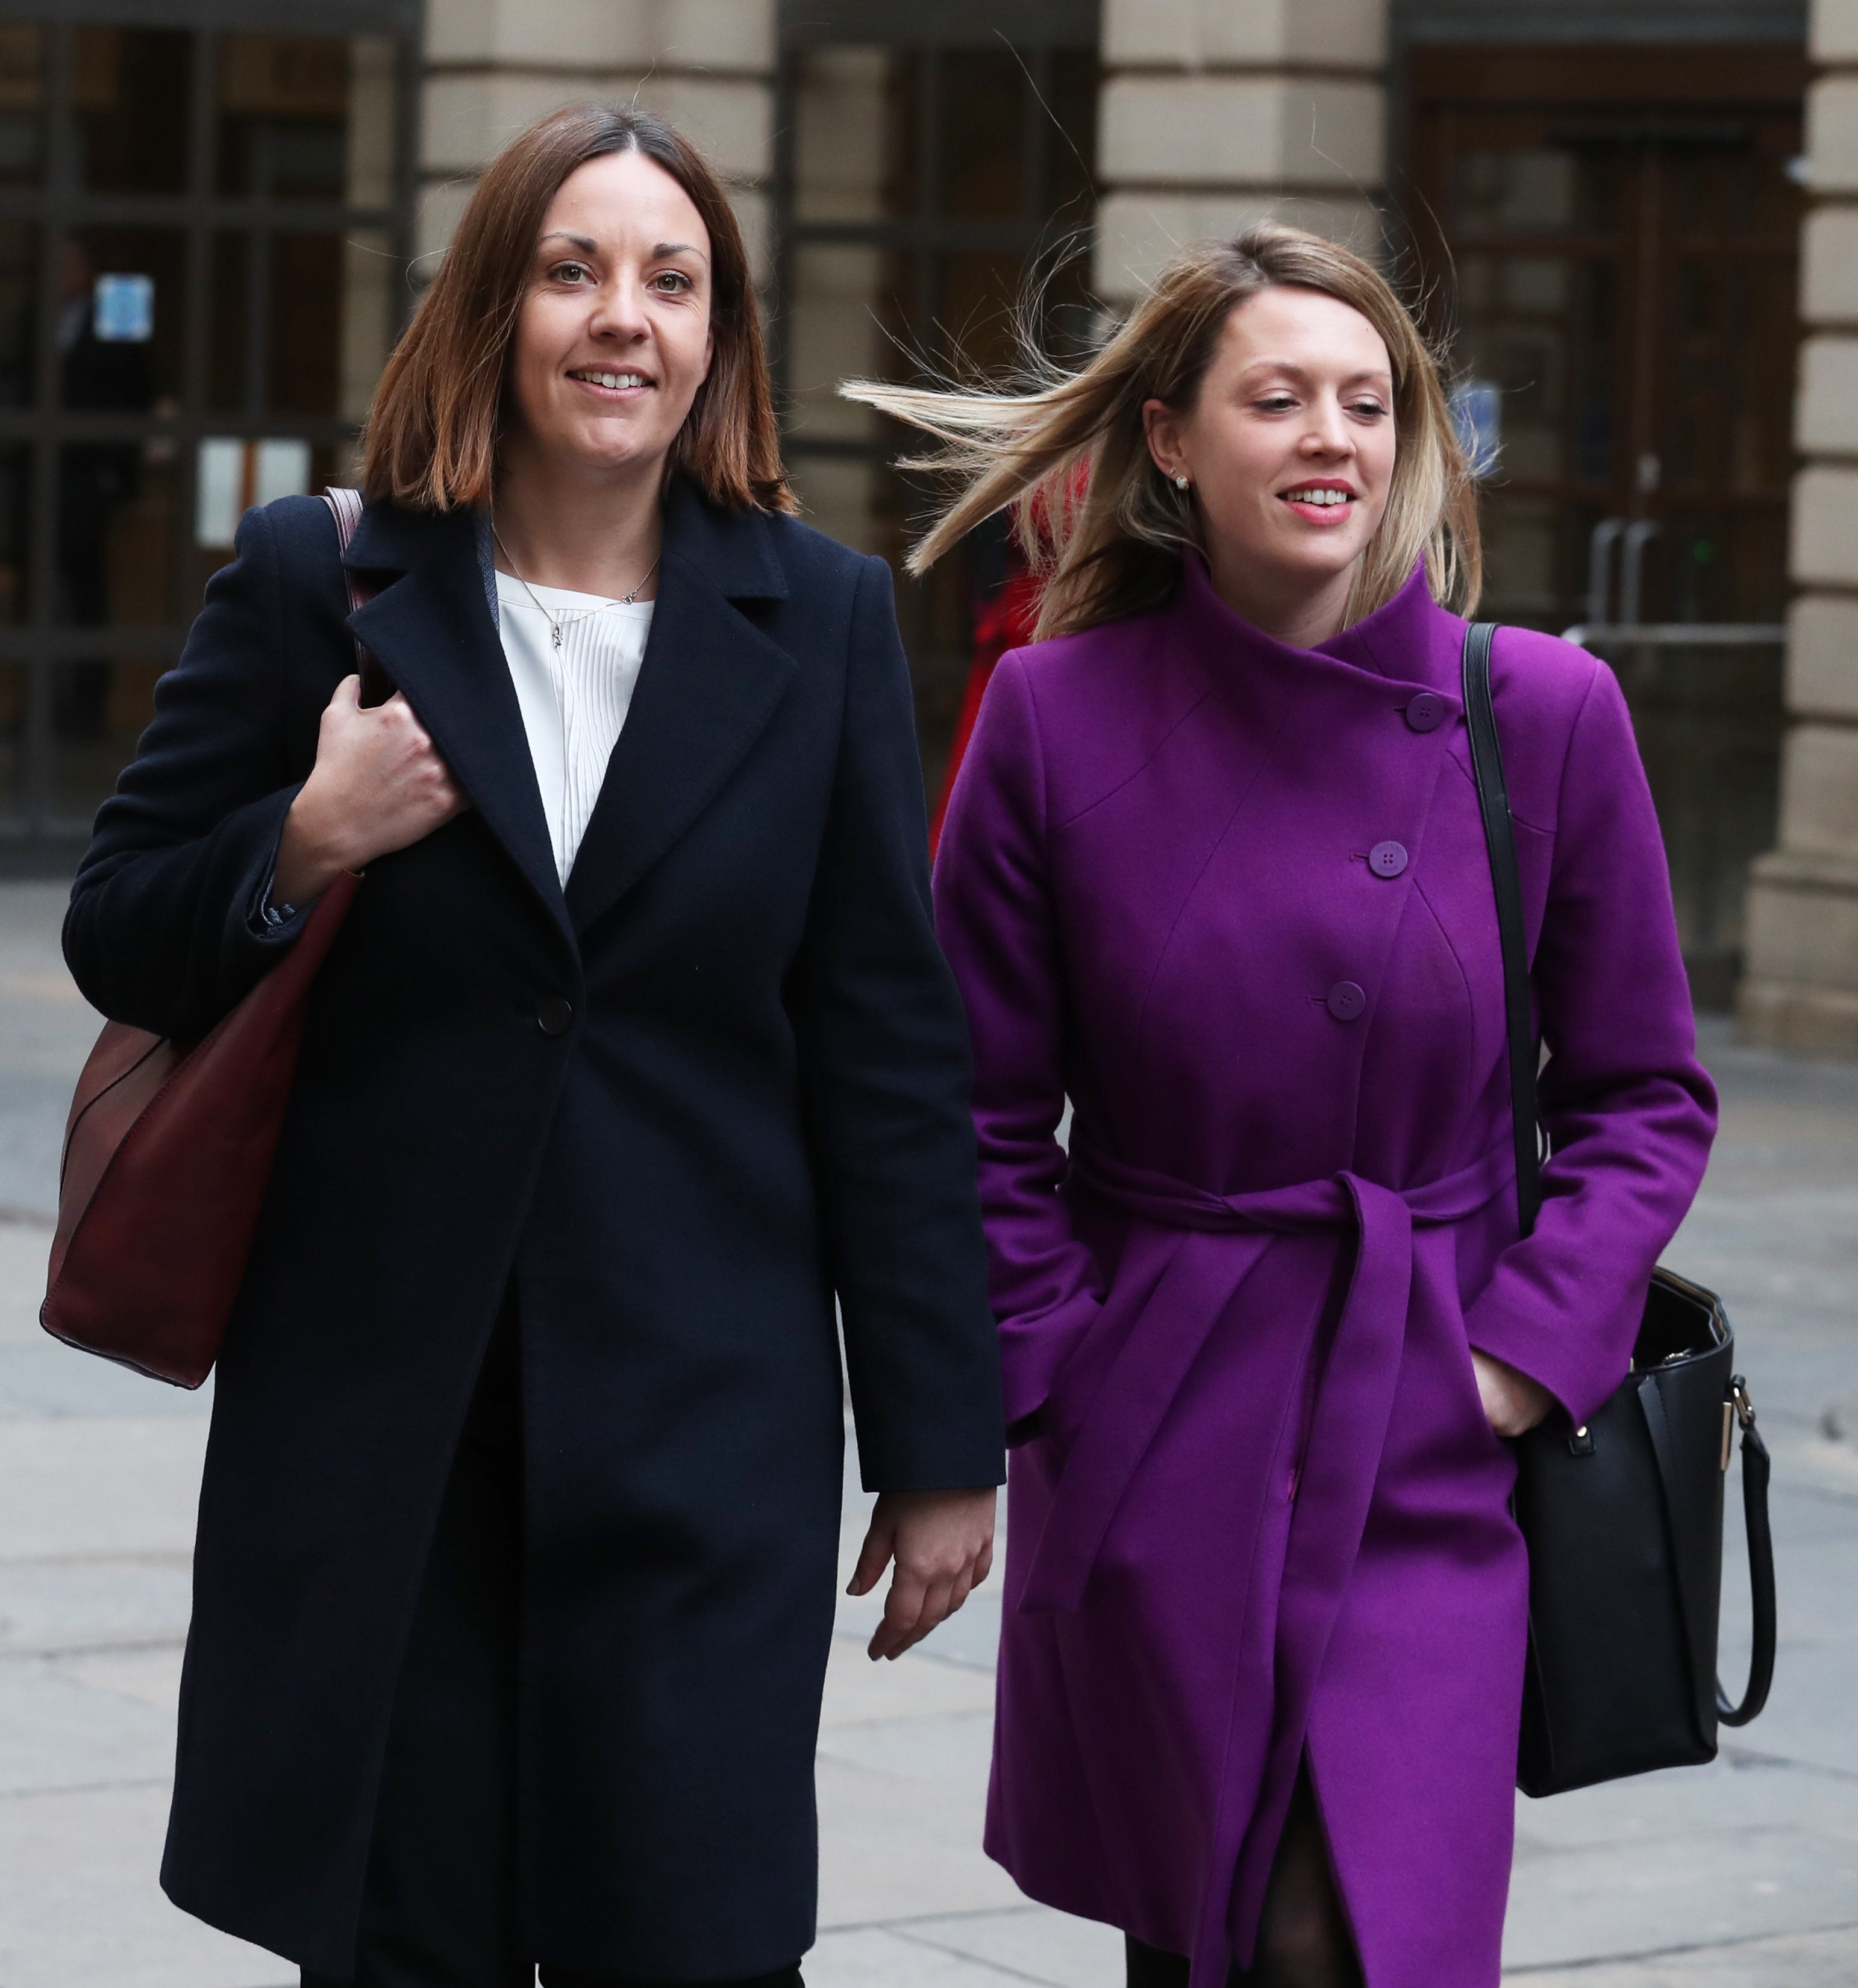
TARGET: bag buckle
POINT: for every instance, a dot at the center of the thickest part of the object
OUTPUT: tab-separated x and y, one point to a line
1738	1407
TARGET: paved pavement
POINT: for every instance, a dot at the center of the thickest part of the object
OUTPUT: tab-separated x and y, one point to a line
1743	1874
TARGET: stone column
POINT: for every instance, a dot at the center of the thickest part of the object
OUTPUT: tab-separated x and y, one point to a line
1216	112
1801	991
493	67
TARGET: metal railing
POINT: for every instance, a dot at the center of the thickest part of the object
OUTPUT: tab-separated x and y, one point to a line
1632	536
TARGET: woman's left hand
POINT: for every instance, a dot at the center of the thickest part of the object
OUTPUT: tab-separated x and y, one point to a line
943	1542
1513	1404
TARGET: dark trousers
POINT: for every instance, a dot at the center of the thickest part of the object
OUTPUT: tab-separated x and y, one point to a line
439	1907
1304	1939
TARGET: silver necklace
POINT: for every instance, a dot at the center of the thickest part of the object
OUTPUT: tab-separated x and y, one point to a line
557	623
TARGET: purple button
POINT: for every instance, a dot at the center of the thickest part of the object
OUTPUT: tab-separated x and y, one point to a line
1345	1001
1426	712
1387	859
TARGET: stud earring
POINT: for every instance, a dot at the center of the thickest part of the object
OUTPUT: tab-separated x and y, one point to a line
1180	479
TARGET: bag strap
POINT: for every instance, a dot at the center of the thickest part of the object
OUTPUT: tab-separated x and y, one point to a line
1755	1470
1500	840
1506	875
345	507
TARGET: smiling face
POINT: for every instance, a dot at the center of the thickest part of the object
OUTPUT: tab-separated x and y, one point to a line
613	339
1289	450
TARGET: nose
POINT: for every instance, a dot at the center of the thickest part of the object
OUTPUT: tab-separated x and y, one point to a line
1329	433
619	311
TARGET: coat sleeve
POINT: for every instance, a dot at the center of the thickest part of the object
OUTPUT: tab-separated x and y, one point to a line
1629	1110
165	929
884	1067
994	911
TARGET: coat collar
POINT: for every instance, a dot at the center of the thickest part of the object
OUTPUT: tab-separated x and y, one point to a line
708	684
1409	641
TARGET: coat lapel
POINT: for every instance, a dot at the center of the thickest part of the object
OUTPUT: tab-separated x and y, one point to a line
709	682
432	630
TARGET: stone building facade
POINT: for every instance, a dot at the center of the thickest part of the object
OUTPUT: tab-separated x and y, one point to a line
1632	225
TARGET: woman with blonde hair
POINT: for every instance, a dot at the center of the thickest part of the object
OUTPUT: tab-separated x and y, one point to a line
519	1536
1214	873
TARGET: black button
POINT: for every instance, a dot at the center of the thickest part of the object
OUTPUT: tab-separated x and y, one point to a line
1345	1001
1426	711
1387	859
553	1015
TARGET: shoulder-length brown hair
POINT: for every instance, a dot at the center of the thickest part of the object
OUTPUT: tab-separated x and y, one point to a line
1104	529
432	433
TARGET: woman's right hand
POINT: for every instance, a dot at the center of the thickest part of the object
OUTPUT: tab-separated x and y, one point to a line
378	785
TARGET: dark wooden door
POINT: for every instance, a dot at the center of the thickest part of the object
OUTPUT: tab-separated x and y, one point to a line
1610	239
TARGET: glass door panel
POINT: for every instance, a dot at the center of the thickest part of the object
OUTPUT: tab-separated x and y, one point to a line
1622	278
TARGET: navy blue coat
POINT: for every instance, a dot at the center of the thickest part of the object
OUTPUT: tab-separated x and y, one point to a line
761	1101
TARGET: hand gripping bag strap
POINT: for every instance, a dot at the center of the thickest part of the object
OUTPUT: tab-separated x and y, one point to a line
1506	877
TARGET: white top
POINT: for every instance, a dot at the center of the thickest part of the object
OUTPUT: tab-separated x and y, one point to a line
574	699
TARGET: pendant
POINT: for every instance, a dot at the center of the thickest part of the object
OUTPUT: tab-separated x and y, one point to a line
556	627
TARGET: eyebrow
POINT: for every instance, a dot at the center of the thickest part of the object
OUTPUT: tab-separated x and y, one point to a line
588	247
1295	372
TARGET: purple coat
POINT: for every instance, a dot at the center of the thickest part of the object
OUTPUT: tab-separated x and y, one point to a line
1231	899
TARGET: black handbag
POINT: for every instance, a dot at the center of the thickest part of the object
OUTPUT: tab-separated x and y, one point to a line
1623	1516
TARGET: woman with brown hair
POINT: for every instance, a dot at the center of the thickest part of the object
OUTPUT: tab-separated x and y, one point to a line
518	1530
1214	871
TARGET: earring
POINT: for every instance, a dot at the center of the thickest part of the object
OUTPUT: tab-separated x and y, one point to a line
1180	479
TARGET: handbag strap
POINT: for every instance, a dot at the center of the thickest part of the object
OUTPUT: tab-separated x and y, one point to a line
345	507
1500	840
1755	1470
1506	875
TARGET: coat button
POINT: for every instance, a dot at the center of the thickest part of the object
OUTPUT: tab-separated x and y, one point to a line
1425	712
554	1015
1387	859
1345	1001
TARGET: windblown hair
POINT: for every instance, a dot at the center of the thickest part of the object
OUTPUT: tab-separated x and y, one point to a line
431	437
1103	527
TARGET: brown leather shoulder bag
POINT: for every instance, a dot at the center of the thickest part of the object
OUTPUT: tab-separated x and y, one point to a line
168	1151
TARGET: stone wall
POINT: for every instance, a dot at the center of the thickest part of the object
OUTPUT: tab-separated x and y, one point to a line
1801	991
493	67
1215	112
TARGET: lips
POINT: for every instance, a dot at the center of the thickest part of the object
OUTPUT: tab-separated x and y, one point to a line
620	381
1324	503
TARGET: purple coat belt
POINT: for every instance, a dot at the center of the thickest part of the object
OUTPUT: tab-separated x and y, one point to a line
1345	1425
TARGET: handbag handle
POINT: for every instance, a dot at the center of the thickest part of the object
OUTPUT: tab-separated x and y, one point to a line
345	507
1506	877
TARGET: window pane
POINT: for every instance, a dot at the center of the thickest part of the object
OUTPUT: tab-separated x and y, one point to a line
984	104
14	692
283	117
22	103
18	311
131	94
122	294
305	355
15	517
226	320
115	522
